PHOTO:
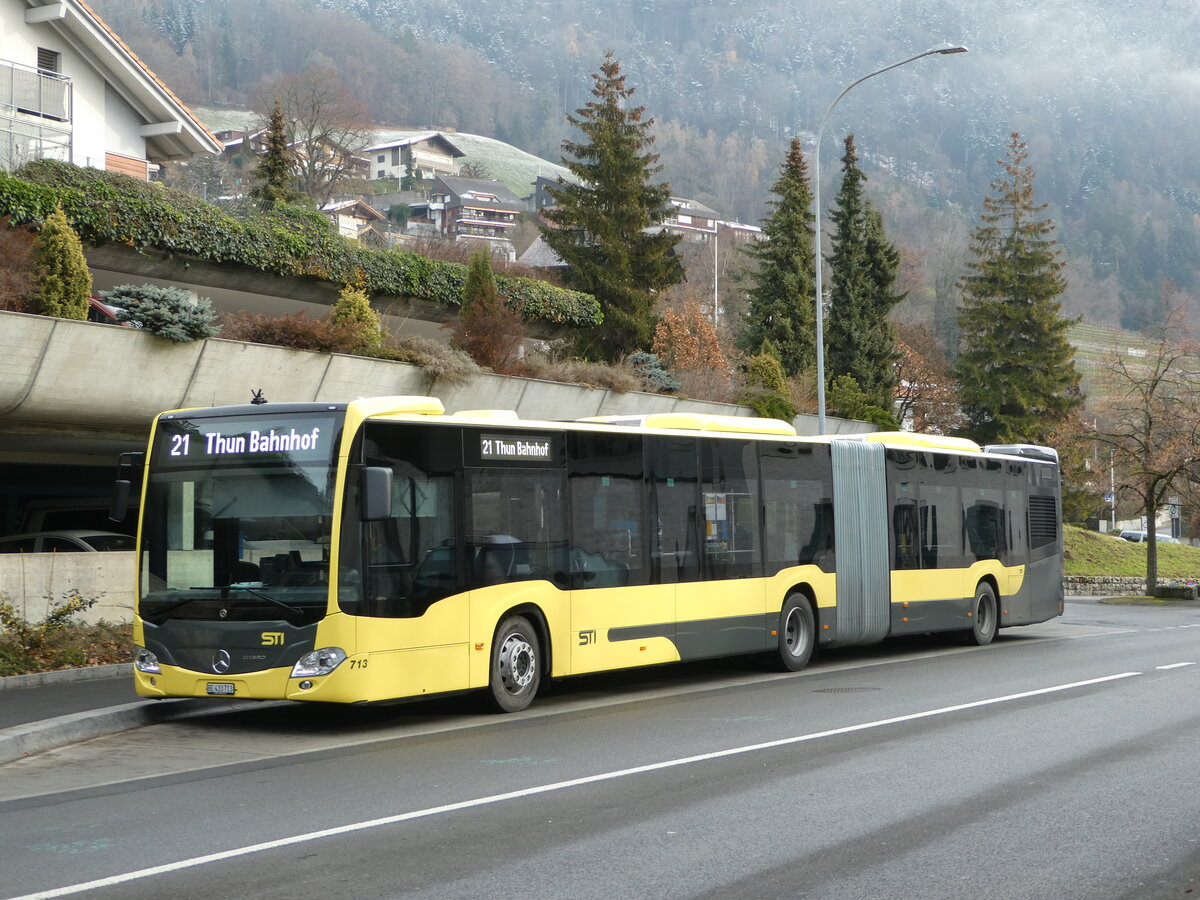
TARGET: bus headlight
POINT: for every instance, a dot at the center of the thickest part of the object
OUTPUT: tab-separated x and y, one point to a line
319	662
145	661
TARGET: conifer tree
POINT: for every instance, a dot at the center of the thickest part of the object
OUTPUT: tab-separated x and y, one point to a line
276	168
605	222
1016	370
781	301
487	330
353	307
64	283
860	341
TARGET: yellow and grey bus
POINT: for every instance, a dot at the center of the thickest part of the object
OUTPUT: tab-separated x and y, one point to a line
382	549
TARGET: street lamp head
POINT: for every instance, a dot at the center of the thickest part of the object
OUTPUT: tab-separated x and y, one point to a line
947	48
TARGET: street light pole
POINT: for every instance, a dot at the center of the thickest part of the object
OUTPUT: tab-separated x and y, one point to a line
943	50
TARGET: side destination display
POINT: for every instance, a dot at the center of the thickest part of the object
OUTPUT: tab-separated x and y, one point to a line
515	447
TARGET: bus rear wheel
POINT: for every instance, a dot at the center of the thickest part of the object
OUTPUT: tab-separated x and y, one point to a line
797	634
984	619
516	668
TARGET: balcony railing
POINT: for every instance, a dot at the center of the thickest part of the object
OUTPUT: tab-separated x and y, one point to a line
35	115
35	92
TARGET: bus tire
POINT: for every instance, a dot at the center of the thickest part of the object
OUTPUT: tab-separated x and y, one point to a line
797	634
984	619
516	666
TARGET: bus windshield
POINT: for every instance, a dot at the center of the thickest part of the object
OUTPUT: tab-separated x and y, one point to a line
237	518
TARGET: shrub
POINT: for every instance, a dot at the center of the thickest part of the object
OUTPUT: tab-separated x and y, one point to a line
37	646
848	400
486	329
295	331
16	265
64	283
649	370
353	308
166	312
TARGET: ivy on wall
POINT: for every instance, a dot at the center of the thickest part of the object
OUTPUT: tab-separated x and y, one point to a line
106	207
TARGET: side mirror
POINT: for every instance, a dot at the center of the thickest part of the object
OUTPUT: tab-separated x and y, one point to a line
375	490
120	500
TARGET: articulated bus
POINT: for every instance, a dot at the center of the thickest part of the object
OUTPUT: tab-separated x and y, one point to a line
382	549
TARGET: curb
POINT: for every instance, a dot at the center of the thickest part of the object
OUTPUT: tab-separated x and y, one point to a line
36	737
65	676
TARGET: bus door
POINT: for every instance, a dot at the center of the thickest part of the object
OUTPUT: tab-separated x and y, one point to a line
725	611
618	617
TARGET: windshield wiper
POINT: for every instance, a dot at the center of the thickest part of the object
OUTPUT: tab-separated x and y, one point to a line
296	611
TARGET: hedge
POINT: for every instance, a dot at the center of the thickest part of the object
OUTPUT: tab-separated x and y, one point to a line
107	207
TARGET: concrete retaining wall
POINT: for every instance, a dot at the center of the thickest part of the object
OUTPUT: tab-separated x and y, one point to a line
112	380
1106	586
33	581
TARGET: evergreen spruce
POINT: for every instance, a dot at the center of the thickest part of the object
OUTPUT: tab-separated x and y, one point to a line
275	170
782	298
167	312
605	223
353	307
1016	370
64	283
860	341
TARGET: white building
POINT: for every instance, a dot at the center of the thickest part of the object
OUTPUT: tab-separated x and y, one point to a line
71	89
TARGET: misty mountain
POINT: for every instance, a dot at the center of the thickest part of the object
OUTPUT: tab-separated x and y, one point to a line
1106	92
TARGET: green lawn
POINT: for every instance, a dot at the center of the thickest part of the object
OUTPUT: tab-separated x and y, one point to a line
1091	553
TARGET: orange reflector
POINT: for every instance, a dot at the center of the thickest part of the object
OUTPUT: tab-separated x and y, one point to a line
904	604
826	627
905	619
479	646
643	649
970	614
774	633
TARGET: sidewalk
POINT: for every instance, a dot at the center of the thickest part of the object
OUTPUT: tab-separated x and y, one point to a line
51	709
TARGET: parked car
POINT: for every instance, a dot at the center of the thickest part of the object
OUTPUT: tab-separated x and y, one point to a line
1139	537
68	541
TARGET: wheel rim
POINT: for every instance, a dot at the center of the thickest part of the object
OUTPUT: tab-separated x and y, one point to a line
517	663
795	633
983	613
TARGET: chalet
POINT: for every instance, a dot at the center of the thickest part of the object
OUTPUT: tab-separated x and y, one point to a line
71	89
422	154
353	218
473	209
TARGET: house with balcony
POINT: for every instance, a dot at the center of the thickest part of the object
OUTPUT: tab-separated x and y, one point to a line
71	89
472	209
422	155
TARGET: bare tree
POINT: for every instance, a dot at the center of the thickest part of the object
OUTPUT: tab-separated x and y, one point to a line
329	129
926	394
1151	420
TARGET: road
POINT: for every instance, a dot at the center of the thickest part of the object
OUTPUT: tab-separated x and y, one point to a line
1059	762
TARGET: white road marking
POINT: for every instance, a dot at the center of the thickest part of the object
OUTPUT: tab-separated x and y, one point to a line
195	861
1181	665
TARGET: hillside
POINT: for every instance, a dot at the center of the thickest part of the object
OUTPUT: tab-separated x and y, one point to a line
1104	92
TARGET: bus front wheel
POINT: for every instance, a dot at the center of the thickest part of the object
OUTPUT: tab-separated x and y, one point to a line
984	619
797	633
516	669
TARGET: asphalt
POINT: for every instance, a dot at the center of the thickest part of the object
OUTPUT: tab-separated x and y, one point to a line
53	709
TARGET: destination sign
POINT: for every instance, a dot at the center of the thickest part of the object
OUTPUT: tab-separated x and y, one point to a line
527	448
245	439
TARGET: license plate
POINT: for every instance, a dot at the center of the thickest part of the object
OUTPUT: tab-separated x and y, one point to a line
220	688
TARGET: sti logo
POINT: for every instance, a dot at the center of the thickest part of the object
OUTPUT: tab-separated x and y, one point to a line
272	638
